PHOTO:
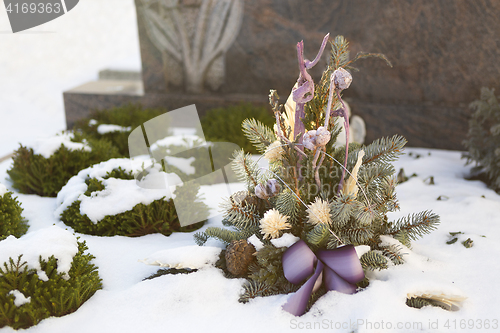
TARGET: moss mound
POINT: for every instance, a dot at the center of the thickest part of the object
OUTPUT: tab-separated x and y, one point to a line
224	124
158	216
128	117
39	299
33	173
11	221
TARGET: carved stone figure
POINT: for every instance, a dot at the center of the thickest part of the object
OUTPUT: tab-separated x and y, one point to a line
193	37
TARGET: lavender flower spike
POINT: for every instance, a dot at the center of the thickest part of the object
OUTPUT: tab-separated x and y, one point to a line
305	85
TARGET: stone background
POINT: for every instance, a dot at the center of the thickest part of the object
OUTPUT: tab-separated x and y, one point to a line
442	51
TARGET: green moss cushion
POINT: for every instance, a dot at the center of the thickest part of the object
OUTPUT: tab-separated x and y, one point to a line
42	274
224	124
116	124
107	200
44	168
11	221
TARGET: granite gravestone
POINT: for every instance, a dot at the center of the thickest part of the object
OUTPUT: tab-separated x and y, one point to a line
443	52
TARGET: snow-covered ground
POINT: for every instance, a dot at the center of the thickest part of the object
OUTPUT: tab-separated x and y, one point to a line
128	304
34	70
37	65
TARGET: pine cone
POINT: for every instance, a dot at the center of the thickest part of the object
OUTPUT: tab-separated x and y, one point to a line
239	254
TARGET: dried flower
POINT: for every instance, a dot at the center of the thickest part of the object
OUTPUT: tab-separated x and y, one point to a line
274	151
319	212
316	138
341	78
309	139
272	223
351	188
267	190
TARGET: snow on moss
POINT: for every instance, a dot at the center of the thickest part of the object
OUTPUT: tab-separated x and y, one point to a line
119	195
44	243
19	298
109	128
3	189
48	146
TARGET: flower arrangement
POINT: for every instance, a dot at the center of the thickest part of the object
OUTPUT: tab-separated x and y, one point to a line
316	219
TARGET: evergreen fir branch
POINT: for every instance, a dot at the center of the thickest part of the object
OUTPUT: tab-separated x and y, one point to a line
246	169
258	134
319	235
415	225
384	150
393	252
373	260
417	302
386	200
242	217
341	210
364	214
269	268
224	235
403	238
254	289
340	52
287	204
357	236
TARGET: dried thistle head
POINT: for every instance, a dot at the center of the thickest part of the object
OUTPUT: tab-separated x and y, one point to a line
319	212
273	223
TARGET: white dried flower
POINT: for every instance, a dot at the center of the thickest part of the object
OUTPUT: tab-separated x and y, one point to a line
272	223
322	136
316	138
309	140
341	78
319	212
350	186
274	151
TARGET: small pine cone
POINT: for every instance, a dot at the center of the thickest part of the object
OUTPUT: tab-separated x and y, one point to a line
239	254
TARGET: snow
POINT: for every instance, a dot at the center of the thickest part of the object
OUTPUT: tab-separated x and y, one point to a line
109	128
3	190
286	240
432	267
49	145
40	63
192	257
19	298
38	67
256	242
182	139
46	242
119	195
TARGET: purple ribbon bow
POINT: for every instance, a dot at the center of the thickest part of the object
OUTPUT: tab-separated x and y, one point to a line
339	269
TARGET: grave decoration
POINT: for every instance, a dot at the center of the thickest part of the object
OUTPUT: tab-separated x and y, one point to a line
316	219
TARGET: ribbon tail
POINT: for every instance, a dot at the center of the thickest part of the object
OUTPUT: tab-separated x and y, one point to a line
334	282
297	303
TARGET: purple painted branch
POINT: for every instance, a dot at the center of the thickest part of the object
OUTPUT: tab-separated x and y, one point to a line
311	64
